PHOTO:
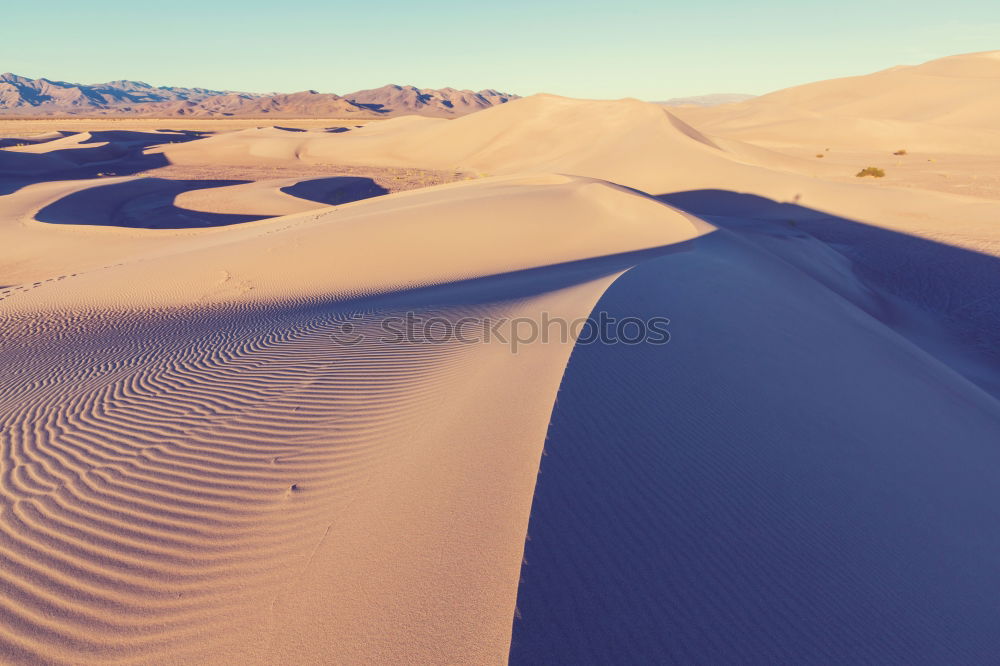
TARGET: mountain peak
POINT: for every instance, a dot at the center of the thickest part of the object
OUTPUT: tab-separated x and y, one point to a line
44	96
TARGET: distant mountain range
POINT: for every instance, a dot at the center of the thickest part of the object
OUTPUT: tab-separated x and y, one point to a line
20	95
707	100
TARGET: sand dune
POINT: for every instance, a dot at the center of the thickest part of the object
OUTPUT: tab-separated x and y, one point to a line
542	133
206	502
279	197
423	238
766	490
59	155
207	495
959	90
637	144
945	105
214	450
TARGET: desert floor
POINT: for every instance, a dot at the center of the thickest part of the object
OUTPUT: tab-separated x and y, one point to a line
212	451
34	126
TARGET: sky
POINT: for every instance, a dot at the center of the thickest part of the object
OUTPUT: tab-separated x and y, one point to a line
604	49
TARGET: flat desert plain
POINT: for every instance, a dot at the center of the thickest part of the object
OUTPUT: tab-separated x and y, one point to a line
213	452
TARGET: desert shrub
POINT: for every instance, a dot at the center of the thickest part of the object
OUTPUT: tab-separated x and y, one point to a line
820	155
901	151
874	172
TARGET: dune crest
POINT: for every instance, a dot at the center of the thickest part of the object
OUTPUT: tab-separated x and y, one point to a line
223	479
942	105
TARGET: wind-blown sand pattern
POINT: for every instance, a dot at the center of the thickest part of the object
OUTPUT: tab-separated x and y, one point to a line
206	469
185	496
195	467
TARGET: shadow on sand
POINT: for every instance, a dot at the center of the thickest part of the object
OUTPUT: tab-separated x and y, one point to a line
789	480
122	156
147	203
958	288
336	190
7	142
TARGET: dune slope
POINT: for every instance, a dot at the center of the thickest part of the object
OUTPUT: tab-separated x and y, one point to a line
628	142
944	105
787	481
213	454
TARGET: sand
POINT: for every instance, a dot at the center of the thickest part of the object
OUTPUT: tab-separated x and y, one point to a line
34	127
212	451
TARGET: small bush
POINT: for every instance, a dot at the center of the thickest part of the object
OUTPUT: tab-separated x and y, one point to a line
820	155
874	172
901	151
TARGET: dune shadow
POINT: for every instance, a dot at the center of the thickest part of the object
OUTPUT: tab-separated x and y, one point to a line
509	286
124	155
11	185
146	203
336	190
786	481
959	288
134	138
10	141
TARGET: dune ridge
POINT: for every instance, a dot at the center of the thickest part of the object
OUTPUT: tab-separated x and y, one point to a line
789	504
942	105
201	469
639	145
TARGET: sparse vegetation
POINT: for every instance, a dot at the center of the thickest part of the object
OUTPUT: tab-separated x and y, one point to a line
820	155
874	172
901	151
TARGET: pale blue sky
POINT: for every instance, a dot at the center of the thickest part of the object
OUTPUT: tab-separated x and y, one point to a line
581	48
